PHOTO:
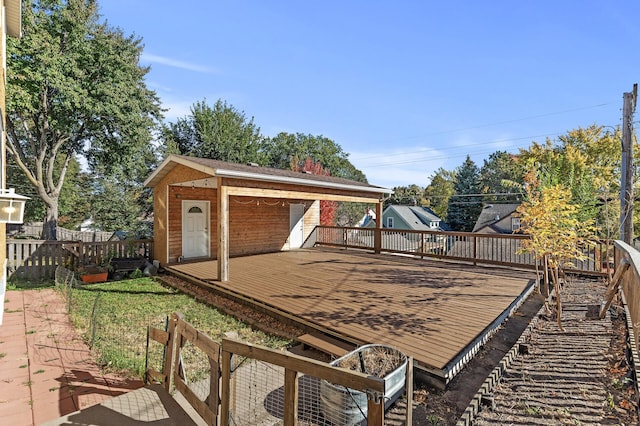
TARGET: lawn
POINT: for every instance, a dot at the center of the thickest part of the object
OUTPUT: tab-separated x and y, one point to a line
113	317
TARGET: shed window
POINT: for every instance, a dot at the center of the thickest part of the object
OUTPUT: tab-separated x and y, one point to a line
515	223
389	222
195	209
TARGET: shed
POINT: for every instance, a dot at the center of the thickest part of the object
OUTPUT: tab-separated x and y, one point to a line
214	209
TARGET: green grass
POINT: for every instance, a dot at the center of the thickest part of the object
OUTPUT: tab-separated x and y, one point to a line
125	308
18	284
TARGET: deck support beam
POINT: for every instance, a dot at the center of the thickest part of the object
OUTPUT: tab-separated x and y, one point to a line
223	231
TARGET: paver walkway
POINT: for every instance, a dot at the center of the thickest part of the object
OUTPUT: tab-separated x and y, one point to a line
563	379
46	370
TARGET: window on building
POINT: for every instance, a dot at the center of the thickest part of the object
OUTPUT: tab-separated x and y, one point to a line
389	222
515	223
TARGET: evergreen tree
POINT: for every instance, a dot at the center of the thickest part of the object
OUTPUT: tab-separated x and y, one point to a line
465	205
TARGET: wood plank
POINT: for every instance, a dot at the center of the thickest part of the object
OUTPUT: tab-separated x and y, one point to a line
429	310
326	344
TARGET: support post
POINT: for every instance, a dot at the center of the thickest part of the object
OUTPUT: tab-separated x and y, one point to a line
626	179
377	234
223	231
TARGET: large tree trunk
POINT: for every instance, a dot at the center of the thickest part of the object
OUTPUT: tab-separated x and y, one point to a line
50	223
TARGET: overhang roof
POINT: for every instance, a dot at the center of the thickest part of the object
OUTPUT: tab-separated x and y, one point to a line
13	10
257	173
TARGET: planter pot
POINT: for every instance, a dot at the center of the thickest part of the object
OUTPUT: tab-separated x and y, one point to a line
345	407
94	277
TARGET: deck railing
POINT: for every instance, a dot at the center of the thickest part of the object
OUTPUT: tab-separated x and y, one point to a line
630	285
494	249
38	259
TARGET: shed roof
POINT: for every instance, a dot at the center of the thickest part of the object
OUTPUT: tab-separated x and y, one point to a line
257	173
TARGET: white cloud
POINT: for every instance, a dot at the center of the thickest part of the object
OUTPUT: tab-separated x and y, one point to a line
176	63
176	109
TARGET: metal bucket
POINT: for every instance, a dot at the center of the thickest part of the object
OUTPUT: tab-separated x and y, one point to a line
345	407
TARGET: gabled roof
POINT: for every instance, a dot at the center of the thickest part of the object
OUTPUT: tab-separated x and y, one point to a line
257	173
416	217
493	213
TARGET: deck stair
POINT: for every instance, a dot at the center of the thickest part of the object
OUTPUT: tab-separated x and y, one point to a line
325	343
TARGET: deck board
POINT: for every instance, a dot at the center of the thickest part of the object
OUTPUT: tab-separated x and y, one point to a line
429	310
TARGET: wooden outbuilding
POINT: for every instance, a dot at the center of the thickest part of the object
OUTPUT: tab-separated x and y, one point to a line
213	209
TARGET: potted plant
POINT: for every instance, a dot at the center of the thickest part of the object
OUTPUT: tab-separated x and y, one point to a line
96	273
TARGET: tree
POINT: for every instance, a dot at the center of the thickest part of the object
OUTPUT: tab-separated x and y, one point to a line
586	161
281	149
406	195
465	205
75	89
439	191
220	132
501	174
328	209
118	207
558	236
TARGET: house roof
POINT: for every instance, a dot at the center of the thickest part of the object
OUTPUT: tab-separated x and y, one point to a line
416	217
493	213
257	173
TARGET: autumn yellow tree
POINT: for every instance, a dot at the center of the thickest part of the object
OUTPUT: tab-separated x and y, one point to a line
558	236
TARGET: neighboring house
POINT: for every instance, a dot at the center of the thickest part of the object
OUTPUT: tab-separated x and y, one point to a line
497	219
368	220
415	218
213	209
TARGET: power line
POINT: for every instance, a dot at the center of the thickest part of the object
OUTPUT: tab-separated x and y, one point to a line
515	120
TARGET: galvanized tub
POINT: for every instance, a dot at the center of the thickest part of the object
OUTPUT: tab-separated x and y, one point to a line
345	407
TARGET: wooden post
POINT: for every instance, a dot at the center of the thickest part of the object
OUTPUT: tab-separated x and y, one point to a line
223	231
612	290
409	391
168	360
290	397
626	182
377	234
225	395
375	411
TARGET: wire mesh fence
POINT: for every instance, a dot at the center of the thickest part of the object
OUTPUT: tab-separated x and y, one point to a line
269	387
119	339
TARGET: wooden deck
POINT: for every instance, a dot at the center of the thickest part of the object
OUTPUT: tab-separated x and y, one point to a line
439	313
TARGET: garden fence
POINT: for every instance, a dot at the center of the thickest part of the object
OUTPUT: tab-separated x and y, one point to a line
124	342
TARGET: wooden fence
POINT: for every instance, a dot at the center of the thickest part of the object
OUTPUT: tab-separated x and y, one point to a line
219	401
494	249
38	259
630	284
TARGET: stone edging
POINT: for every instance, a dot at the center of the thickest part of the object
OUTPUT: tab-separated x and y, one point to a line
492	380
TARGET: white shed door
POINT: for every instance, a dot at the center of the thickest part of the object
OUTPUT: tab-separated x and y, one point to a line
195	229
296	225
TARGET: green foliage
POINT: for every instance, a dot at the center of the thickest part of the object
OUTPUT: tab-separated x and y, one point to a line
280	150
220	132
464	206
557	235
586	161
75	89
501	174
439	191
412	195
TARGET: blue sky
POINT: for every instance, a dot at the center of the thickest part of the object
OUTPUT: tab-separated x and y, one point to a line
404	87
